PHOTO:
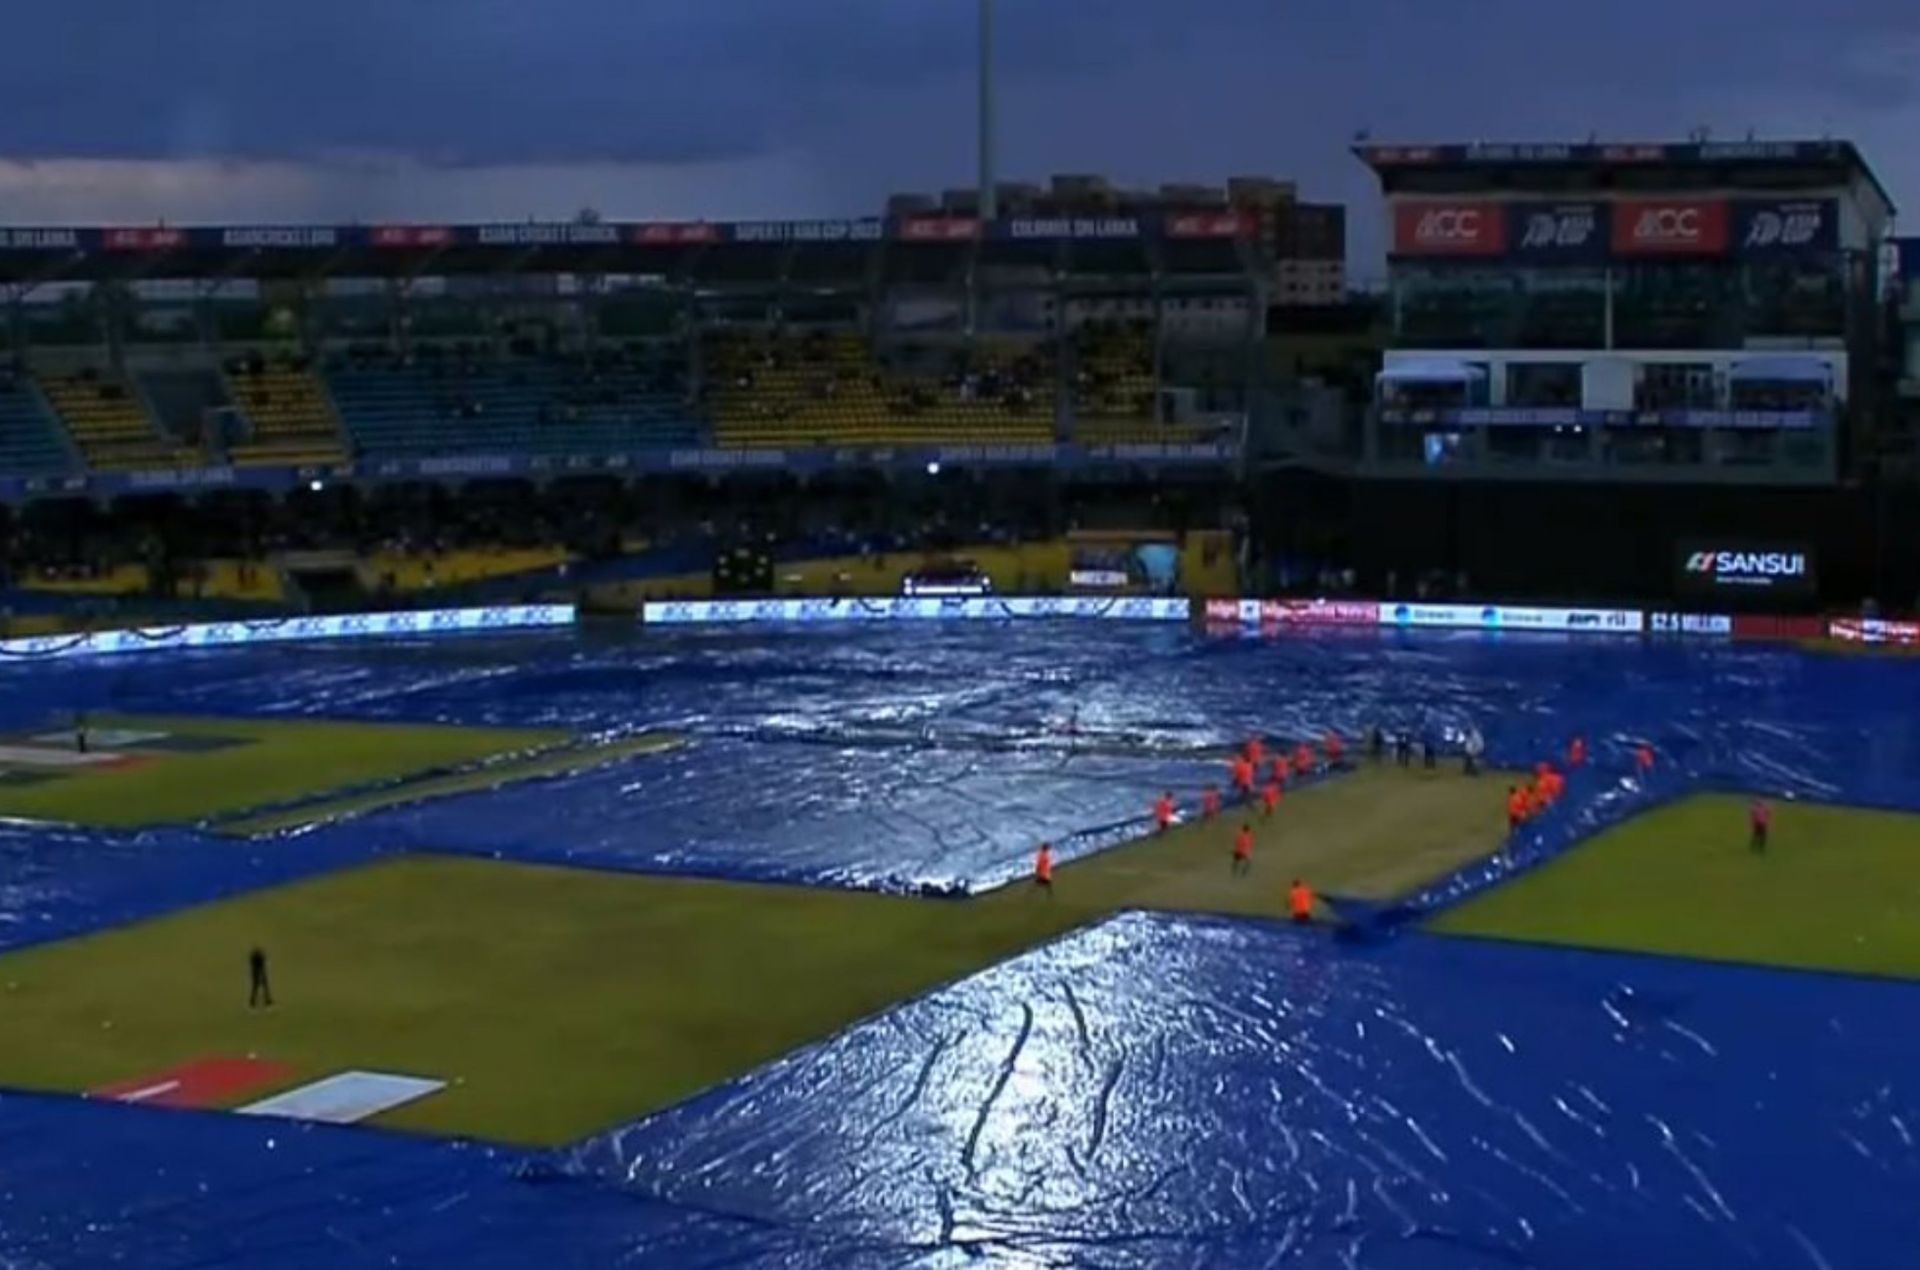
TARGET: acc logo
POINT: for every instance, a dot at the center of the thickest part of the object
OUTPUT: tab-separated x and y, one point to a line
1450	225
1558	229
769	611
815	610
727	611
1668	225
1136	609
676	611
444	620
1797	227
1051	606
402	622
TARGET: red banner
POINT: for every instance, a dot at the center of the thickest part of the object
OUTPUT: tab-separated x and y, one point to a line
1770	626
143	239
1223	611
1449	229
675	234
940	229
1873	630
1209	225
1669	227
409	236
1319	613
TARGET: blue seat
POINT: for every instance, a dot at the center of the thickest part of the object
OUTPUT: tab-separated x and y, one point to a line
31	439
532	406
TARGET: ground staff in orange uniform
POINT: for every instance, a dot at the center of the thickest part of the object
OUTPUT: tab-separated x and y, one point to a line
1333	747
1269	797
1537	797
1163	812
1300	901
1280	769
1243	850
1210	802
1516	807
1256	752
1243	778
1303	758
1043	868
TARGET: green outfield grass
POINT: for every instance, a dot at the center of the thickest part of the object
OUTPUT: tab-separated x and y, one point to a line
1839	889
268	761
563	1001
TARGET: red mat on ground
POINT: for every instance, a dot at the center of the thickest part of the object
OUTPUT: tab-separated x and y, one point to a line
201	1082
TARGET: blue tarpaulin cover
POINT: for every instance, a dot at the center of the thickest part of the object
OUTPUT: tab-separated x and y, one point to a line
1158	1091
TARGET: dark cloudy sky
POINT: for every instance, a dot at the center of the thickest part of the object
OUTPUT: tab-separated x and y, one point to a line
223	110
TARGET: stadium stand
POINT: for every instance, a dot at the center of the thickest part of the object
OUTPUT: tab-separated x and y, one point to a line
30	437
1114	388
288	411
833	388
109	423
469	400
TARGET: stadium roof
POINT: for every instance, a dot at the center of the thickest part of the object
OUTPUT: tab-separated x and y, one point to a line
1750	159
31	254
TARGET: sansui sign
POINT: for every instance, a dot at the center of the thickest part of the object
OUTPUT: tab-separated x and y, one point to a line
1709	569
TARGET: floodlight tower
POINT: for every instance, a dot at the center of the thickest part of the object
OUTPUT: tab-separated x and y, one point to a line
988	201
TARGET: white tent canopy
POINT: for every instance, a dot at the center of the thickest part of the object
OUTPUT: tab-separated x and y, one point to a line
1438	370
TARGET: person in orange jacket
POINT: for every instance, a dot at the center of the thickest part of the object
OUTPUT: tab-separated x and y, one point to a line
1256	751
1538	798
1577	752
1643	758
1281	768
1210	802
1243	850
1333	747
1043	868
1269	797
1242	778
1163	812
1517	806
1300	902
1303	758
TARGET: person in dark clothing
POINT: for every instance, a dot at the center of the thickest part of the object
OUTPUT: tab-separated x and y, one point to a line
260	992
1403	747
1376	743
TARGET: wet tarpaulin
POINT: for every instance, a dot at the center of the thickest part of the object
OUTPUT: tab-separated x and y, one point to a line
1157	1092
1164	1092
934	758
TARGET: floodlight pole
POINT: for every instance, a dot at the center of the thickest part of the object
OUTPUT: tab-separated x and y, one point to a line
988	202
